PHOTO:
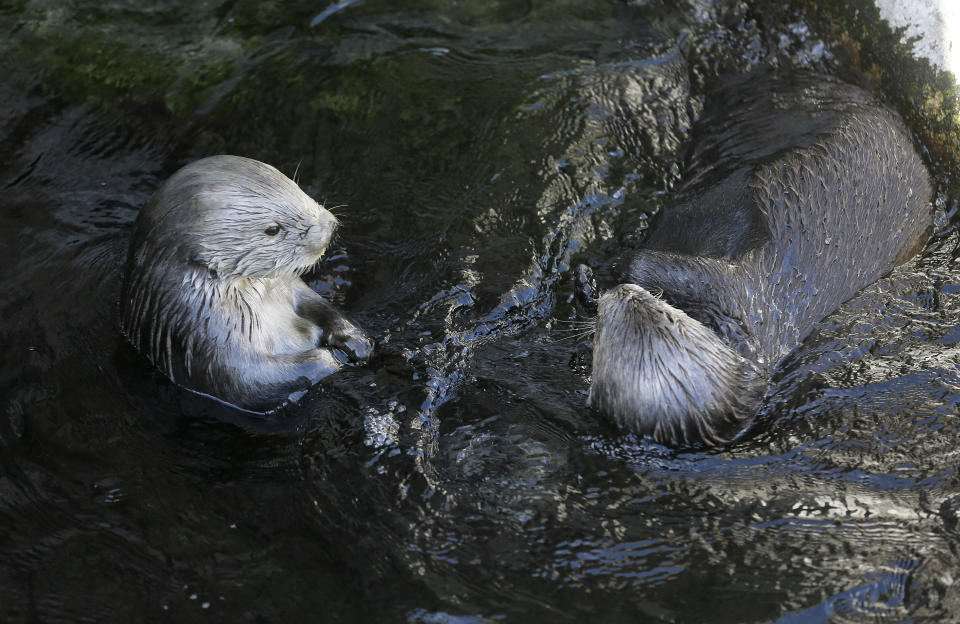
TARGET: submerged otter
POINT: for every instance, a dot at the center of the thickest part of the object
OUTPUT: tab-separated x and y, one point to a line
212	293
796	197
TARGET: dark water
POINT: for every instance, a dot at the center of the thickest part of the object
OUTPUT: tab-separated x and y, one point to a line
476	151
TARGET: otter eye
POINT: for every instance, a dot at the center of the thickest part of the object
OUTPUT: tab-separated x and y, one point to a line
273	230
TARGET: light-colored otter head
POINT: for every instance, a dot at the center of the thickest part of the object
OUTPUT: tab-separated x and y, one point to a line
656	371
236	217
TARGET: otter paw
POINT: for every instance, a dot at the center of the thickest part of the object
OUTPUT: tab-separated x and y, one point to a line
585	290
352	342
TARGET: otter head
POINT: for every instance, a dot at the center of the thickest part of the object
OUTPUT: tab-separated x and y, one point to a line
236	217
657	371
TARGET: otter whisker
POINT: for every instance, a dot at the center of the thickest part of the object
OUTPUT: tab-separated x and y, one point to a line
577	329
334	210
576	322
572	337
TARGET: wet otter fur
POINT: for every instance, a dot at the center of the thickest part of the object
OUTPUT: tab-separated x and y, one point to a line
212	293
801	190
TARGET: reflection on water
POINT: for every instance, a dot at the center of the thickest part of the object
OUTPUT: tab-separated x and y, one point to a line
474	150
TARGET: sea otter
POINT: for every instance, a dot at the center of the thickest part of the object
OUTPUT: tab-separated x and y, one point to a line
800	190
212	293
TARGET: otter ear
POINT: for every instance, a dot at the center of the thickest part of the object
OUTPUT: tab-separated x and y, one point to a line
201	258
205	260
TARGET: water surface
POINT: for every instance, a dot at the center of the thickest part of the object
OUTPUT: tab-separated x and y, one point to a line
474	151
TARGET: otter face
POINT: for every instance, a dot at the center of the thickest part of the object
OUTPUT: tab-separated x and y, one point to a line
239	217
657	371
254	235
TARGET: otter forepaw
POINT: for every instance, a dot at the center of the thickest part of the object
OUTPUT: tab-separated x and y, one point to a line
351	341
585	290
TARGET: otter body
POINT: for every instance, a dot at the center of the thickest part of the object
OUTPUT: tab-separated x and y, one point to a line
795	199
212	293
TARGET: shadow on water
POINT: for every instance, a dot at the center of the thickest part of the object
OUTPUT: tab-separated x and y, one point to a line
474	150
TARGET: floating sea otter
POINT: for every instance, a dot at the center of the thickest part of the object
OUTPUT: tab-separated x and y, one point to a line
801	191
212	293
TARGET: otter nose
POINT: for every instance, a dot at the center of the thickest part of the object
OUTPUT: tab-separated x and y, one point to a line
316	237
316	231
